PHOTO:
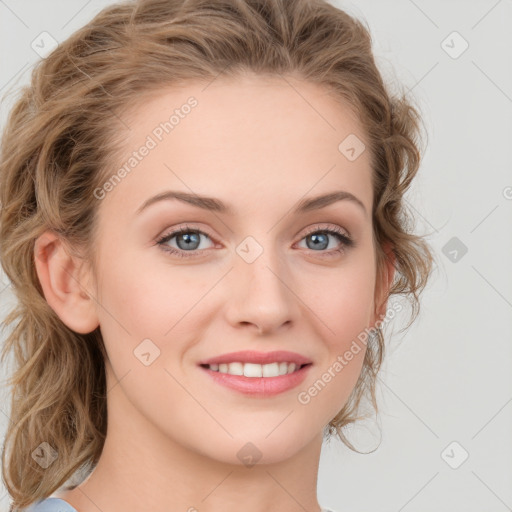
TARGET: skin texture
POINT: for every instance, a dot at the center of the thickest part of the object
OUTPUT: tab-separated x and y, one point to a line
261	146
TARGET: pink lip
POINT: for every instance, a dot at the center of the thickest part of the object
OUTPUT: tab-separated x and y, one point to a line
260	386
250	356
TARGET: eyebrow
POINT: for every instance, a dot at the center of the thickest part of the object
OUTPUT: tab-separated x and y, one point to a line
216	205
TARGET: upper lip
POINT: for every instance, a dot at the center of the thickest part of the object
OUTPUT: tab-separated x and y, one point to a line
250	356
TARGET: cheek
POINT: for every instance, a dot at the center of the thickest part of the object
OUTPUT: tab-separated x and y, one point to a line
343	300
142	300
144	292
342	315
351	310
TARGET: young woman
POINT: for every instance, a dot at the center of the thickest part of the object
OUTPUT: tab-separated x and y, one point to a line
202	220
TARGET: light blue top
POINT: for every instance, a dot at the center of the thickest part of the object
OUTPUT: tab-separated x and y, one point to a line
58	505
50	505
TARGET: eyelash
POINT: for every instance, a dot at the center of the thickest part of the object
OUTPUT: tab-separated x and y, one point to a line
346	241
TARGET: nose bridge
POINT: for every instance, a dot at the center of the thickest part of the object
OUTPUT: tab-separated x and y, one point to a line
261	285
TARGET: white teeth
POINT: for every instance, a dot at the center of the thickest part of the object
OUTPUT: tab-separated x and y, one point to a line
270	370
251	370
254	370
235	369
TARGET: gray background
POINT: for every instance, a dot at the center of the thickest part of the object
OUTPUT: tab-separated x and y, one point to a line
448	379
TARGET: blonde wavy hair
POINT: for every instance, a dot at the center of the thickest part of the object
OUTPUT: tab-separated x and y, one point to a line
58	146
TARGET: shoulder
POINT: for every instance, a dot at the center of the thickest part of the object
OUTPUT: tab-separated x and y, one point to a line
50	505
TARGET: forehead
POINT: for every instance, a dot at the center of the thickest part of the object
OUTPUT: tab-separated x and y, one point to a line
277	135
250	103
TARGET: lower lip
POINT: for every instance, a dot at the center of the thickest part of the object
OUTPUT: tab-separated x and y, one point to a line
260	386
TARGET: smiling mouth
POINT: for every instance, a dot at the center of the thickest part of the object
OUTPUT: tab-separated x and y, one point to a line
254	370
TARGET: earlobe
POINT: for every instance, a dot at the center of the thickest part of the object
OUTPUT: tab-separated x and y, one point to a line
64	284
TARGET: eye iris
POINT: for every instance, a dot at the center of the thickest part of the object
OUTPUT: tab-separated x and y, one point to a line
322	244
189	237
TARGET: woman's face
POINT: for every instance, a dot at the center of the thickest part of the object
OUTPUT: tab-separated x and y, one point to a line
263	275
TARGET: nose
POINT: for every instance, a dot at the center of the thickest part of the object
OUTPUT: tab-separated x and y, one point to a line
262	295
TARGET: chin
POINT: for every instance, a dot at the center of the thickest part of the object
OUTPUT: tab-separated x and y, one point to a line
259	448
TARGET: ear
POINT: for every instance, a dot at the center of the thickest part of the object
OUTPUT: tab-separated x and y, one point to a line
383	284
65	283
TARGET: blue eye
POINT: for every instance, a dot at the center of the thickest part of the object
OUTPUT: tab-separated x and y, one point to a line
320	240
188	241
